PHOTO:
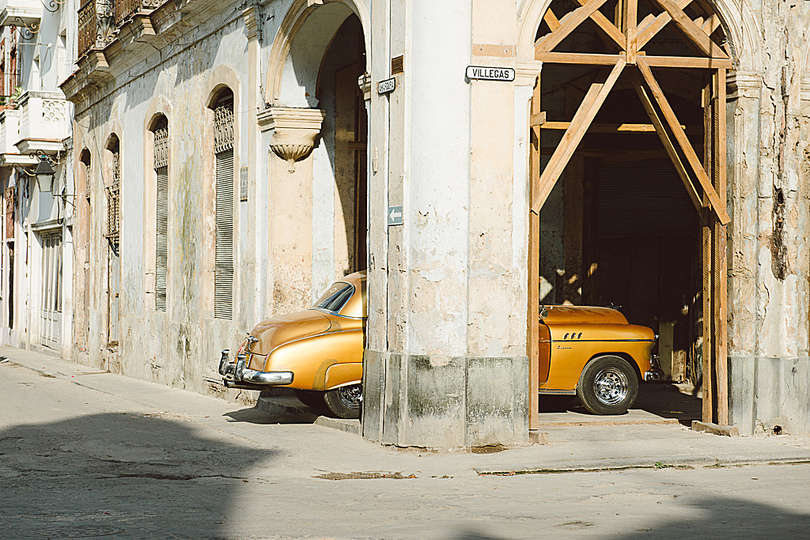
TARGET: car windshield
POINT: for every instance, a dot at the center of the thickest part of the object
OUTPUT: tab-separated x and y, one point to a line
335	298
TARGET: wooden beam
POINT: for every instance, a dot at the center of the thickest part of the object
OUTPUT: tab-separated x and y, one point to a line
707	387
590	105
538	118
578	58
532	318
606	128
650	26
607	28
631	29
720	251
568	24
686	146
711	24
669	145
692	31
688	62
551	20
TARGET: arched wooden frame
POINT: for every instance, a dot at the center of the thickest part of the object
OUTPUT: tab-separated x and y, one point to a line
705	181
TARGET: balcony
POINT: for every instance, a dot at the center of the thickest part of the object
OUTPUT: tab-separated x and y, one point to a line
44	123
100	20
10	134
25	13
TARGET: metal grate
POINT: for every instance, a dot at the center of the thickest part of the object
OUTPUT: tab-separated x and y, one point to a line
161	165
10	212
161	144
223	126
113	201
223	273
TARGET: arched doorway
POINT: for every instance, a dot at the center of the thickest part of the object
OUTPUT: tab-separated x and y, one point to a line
317	63
344	133
628	176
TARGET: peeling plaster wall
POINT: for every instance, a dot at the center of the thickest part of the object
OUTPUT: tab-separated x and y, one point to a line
452	371
770	261
178	347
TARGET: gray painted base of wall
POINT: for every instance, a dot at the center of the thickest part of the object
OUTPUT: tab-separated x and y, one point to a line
440	402
768	392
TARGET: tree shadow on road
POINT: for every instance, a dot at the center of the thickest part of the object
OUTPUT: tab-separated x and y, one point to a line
119	474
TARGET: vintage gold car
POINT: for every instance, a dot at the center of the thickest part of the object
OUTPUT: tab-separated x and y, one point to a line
317	352
589	352
594	354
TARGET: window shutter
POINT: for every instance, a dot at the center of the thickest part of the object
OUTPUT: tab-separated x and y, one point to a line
161	240
161	159
223	274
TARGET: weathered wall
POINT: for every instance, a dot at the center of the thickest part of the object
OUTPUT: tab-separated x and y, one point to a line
768	287
452	371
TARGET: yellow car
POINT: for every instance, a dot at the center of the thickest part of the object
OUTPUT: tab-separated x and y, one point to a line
317	352
594	354
589	352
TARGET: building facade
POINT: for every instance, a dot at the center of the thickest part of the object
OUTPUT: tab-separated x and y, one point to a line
35	131
234	158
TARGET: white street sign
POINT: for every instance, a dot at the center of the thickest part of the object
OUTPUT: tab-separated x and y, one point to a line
387	86
394	215
491	73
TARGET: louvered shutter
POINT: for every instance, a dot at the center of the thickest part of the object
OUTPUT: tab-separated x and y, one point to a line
161	240
223	274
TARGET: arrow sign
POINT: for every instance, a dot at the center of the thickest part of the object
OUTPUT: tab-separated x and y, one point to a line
395	215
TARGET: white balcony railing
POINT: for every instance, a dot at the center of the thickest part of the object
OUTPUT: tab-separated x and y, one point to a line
44	122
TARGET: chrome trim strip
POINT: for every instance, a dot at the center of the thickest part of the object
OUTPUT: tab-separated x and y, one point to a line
267	377
601	341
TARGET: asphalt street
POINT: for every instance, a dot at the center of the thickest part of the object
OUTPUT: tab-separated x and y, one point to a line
85	454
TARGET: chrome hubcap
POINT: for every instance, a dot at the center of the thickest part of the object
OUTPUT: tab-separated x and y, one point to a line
610	386
351	396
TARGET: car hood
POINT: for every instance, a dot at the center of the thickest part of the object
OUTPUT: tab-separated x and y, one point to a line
279	330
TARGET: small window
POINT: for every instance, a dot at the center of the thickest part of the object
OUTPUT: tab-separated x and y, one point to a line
223	149
160	133
335	298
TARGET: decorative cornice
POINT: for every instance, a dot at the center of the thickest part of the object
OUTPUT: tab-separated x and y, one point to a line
806	88
527	71
364	82
743	84
294	131
253	21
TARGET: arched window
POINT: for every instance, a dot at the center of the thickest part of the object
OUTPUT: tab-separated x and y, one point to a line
113	232
223	150
160	134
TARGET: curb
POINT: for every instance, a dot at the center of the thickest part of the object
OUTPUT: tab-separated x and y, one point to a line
271	406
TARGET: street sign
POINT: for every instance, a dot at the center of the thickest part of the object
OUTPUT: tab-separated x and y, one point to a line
394	215
387	86
484	73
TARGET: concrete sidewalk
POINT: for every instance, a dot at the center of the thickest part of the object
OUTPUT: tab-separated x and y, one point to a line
307	449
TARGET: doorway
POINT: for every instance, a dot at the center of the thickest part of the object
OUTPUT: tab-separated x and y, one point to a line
51	293
628	176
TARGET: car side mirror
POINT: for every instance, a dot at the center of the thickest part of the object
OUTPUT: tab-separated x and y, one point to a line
543	312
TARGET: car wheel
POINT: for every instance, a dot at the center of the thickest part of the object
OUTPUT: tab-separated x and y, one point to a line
608	385
310	398
345	402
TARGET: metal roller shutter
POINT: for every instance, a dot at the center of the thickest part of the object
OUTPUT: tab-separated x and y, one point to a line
223	274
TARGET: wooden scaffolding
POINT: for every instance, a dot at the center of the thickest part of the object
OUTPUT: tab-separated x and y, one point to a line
627	39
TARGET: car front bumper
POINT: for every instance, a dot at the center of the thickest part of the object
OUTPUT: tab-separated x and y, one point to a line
236	374
656	373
